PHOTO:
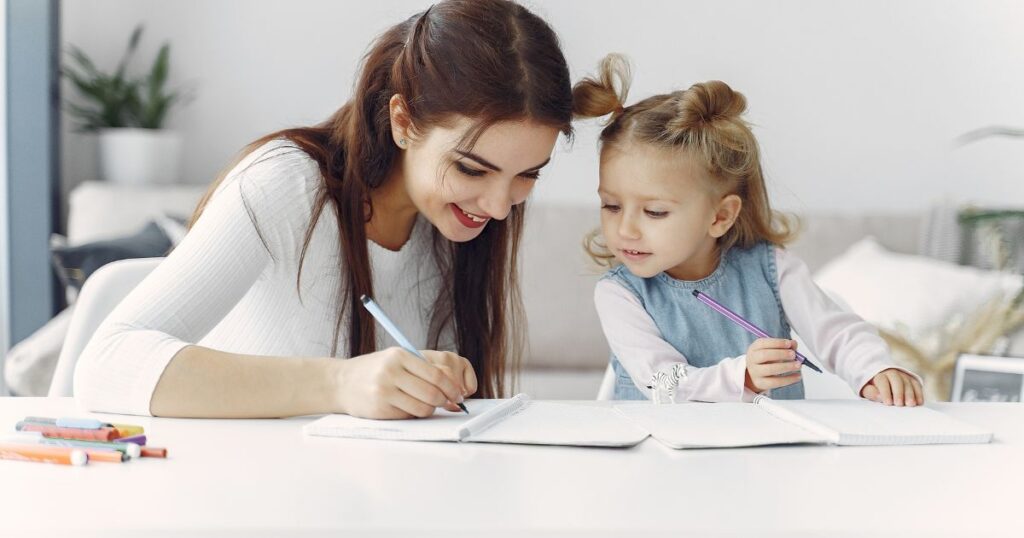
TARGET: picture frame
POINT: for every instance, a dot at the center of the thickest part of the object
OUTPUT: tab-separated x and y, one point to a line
988	378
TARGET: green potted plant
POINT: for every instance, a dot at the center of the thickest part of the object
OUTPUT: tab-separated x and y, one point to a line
127	113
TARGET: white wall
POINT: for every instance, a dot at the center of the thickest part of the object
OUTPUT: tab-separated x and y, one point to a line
857	104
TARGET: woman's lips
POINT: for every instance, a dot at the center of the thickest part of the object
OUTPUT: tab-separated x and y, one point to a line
465	219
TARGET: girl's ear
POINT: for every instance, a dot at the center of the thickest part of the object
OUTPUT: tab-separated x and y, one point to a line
401	121
725	215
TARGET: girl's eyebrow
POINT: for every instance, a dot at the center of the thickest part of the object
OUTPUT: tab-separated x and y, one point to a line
484	162
641	198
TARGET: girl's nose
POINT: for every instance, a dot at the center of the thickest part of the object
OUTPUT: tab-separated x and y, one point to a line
628	228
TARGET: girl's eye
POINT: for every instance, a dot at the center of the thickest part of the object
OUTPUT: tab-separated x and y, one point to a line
530	176
656	214
610	207
473	172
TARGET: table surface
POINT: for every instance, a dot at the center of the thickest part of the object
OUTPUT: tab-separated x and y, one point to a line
264	478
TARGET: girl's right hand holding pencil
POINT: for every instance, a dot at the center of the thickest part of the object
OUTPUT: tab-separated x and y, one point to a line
771	363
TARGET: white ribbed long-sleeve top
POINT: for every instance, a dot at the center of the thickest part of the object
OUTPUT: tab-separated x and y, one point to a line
230	285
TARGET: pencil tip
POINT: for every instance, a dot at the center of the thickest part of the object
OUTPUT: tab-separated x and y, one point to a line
463	407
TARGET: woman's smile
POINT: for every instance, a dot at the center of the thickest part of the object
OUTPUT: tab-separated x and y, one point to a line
469	220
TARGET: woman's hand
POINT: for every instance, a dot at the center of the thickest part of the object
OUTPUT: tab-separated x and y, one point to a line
393	383
771	363
894	387
456	367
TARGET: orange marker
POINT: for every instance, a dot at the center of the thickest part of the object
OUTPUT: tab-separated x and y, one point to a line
43	454
107	456
153	452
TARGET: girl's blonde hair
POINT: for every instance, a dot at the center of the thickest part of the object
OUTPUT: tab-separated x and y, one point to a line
704	121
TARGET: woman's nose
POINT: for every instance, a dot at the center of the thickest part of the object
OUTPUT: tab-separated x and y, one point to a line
498	200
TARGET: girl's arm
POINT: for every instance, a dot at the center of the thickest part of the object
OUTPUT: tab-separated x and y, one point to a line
637	343
842	341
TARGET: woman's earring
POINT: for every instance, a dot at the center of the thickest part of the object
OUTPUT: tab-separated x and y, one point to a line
401	142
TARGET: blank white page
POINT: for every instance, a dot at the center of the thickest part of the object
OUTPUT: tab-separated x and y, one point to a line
551	423
442	426
862	422
715	425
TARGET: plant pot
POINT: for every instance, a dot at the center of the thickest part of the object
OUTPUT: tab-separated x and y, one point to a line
140	156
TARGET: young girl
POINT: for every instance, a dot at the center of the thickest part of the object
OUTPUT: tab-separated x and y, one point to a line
410	193
684	208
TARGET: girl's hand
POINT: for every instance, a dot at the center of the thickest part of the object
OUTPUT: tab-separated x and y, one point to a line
771	363
393	383
894	387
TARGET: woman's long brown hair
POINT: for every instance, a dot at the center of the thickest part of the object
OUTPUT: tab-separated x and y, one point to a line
489	60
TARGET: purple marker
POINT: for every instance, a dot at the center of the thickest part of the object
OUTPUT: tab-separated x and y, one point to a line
137	439
750	327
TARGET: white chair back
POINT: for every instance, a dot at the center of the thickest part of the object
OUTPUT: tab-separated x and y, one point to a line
103	291
607	389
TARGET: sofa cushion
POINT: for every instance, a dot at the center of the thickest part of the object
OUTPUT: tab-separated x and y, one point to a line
558	282
822	237
75	264
911	295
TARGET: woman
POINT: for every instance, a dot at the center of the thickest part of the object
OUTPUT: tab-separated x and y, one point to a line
411	193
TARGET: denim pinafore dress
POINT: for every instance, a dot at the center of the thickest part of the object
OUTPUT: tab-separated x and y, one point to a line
746	281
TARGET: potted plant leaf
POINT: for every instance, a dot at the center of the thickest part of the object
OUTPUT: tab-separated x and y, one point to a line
127	113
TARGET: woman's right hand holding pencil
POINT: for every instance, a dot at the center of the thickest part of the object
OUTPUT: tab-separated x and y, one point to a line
771	363
395	384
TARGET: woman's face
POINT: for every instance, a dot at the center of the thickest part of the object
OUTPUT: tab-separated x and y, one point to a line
460	191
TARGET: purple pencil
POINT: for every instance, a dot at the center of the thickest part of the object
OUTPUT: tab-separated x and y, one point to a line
750	327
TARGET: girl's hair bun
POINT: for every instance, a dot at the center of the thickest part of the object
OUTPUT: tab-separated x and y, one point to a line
705	103
605	94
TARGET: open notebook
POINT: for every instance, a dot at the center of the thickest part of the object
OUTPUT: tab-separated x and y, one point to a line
518	420
772	422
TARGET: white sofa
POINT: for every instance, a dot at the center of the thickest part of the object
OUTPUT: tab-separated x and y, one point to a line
567	352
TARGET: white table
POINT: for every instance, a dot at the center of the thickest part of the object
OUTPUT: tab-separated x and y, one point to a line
264	478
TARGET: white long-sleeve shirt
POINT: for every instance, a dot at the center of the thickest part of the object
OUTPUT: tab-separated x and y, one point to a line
231	288
841	341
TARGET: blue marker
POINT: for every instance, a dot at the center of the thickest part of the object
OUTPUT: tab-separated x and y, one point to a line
80	423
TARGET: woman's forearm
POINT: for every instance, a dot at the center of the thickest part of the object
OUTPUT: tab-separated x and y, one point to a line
204	383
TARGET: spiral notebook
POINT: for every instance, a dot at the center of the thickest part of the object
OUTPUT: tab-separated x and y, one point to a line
774	422
517	420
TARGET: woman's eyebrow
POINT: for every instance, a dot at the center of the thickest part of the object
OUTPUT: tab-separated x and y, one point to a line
496	168
479	159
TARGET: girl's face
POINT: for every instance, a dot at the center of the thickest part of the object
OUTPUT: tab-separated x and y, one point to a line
658	213
458	191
